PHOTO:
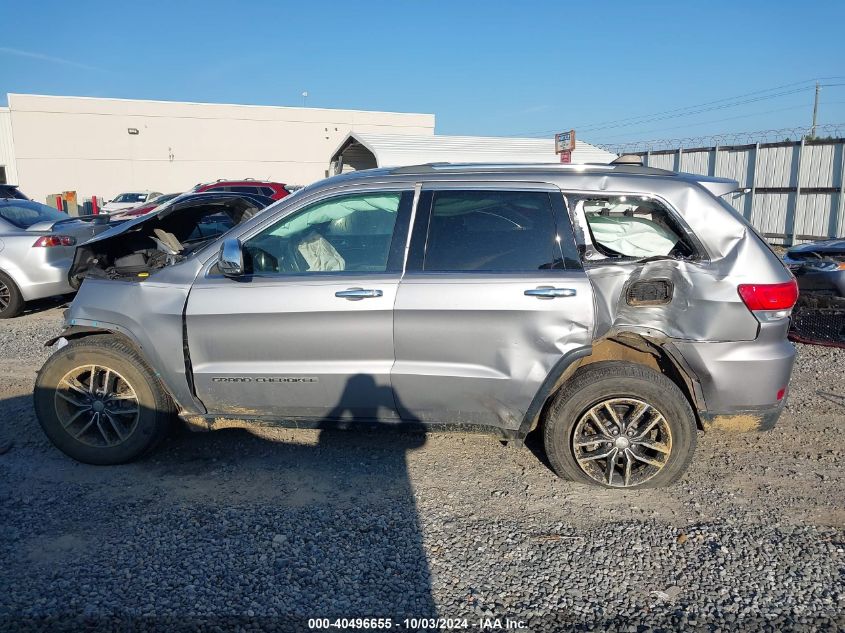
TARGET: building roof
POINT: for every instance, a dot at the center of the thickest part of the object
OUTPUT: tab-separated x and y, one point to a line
396	150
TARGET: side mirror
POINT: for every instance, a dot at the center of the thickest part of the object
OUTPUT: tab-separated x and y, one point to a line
230	261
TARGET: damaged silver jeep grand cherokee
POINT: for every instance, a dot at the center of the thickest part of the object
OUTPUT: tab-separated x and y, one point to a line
614	308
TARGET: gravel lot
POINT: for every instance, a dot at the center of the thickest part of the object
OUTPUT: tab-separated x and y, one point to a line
263	529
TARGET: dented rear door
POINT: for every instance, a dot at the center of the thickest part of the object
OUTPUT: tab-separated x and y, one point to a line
493	296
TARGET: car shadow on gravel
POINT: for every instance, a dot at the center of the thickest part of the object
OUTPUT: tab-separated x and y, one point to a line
835	398
42	305
318	524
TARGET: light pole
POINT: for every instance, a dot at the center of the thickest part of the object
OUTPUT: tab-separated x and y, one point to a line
304	98
815	110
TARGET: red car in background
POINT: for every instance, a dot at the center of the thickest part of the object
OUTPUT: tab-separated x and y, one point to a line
274	190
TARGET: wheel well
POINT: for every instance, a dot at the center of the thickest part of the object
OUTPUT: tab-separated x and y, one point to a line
76	332
637	350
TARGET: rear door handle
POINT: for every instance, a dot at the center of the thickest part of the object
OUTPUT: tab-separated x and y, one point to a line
358	293
548	292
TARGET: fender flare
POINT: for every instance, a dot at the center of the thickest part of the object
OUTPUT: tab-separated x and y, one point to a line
72	332
549	387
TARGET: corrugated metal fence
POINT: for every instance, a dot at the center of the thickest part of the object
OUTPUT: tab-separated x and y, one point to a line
795	190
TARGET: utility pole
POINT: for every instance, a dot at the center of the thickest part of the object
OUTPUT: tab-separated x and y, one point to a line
815	110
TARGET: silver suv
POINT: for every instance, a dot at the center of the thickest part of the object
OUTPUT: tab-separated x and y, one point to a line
615	309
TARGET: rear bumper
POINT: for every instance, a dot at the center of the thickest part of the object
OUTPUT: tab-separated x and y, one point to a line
759	419
742	378
42	273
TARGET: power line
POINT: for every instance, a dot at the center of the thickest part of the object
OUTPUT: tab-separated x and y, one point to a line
697	108
691	112
731	118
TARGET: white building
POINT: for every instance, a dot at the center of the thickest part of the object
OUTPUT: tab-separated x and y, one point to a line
365	150
105	146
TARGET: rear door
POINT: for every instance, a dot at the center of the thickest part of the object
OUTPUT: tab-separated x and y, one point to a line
308	332
492	298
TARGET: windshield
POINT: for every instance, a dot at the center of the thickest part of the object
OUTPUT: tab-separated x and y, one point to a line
24	213
131	197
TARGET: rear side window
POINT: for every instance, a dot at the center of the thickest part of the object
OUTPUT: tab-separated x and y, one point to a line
25	213
244	189
211	226
492	231
630	227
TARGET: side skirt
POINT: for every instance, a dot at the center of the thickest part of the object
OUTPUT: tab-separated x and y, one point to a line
202	423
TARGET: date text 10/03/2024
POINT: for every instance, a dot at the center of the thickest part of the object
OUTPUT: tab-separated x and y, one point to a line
416	624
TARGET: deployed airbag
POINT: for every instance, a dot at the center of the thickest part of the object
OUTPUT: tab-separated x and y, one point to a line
631	236
320	254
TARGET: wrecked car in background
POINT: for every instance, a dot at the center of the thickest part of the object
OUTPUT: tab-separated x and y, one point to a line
617	309
37	245
135	248
819	315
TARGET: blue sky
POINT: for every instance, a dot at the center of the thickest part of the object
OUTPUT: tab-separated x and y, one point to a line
487	68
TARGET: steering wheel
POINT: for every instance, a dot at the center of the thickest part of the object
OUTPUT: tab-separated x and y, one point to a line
261	261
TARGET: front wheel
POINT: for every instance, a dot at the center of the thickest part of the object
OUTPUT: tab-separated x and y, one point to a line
98	401
620	425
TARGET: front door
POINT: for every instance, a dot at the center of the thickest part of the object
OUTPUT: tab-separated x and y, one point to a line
493	297
307	332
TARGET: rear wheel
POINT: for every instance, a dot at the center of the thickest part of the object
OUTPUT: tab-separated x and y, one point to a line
620	425
99	403
11	301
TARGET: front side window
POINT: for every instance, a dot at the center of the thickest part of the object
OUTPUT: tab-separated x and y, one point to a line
494	231
349	233
630	226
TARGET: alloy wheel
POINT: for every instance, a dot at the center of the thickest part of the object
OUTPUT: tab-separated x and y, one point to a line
5	296
622	442
97	406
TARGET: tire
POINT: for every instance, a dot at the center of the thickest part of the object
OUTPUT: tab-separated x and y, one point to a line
616	392
114	435
11	300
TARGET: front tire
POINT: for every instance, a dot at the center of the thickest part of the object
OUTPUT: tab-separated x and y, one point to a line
620	425
99	402
11	300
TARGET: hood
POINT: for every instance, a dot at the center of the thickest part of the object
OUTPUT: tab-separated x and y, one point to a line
135	249
825	248
114	206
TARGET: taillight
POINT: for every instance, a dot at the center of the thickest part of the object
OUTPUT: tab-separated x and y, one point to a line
55	240
770	301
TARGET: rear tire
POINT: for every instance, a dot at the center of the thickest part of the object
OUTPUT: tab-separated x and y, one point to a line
11	300
620	425
99	402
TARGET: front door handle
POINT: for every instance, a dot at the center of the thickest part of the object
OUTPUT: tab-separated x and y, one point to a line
358	293
548	292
